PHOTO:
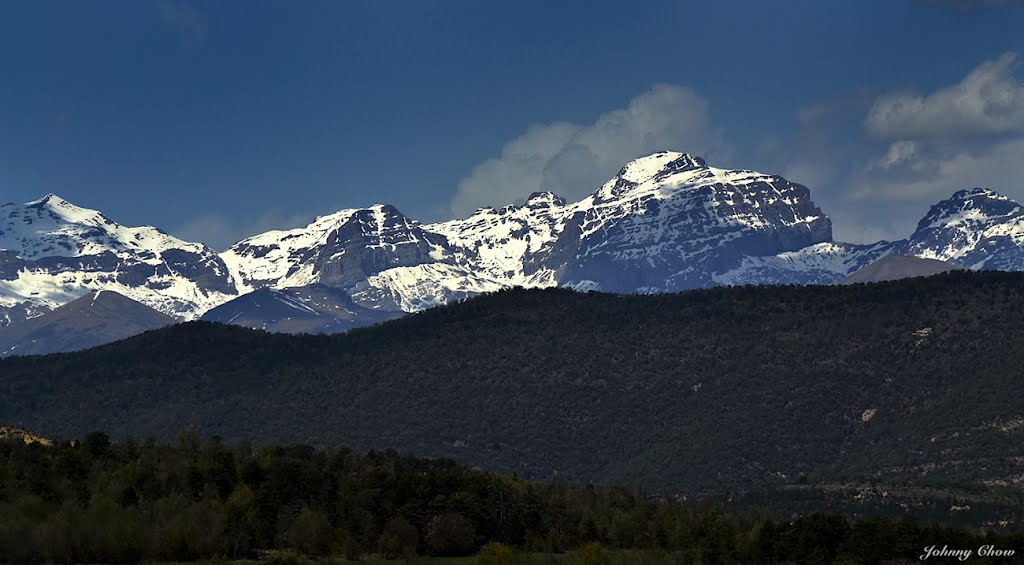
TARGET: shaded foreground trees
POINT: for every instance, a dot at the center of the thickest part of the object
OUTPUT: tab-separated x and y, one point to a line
98	501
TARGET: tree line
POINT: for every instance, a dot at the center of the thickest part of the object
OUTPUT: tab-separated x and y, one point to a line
95	500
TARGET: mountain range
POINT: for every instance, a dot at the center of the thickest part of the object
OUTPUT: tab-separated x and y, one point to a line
666	222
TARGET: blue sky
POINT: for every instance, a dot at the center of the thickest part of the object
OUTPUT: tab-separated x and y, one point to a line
215	120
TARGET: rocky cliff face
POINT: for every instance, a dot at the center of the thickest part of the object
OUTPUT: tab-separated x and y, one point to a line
665	222
384	260
977	229
52	252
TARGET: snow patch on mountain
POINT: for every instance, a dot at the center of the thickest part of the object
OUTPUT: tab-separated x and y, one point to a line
268	259
821	263
665	222
977	229
52	252
53	227
416	288
499	244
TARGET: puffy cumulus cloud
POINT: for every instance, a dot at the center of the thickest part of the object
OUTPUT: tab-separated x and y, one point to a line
906	159
520	167
910	173
886	198
989	101
962	136
899	153
573	160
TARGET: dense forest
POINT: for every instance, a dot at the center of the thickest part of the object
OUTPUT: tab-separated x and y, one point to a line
93	501
717	390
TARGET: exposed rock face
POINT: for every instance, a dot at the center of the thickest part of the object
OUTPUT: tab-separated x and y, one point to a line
52	252
377	255
978	229
20	311
94	319
666	222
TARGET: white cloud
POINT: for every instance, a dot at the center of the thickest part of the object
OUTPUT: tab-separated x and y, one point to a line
966	135
520	168
573	160
907	159
886	200
989	101
938	174
899	153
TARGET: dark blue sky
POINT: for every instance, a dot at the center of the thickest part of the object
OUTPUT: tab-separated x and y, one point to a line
217	120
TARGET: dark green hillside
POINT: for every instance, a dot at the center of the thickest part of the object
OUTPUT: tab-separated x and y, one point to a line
722	389
97	501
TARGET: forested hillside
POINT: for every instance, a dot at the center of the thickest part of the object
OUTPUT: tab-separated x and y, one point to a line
719	390
93	501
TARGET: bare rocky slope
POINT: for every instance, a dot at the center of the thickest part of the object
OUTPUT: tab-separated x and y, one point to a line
666	222
94	319
895	267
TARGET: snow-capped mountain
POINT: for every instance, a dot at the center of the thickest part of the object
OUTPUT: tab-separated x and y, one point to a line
821	263
665	222
506	245
52	252
977	229
384	260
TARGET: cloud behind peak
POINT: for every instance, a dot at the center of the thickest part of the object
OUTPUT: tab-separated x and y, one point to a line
988	101
573	160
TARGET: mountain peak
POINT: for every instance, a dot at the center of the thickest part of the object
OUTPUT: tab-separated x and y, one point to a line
62	208
144	263
976	228
978	191
968	206
646	167
544	199
50	199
